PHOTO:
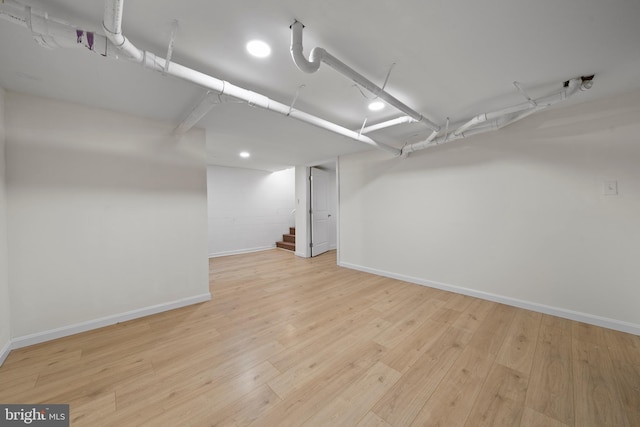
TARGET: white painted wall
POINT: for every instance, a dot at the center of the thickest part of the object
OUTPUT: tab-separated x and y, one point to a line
107	214
249	210
302	211
5	312
517	215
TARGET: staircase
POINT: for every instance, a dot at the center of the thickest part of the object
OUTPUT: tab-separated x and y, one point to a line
288	240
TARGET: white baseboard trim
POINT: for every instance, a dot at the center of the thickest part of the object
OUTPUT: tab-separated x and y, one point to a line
241	251
64	331
4	352
591	319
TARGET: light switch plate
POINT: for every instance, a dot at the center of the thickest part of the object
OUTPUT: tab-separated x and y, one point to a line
610	188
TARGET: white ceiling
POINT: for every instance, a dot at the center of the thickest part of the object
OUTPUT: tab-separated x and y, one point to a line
454	58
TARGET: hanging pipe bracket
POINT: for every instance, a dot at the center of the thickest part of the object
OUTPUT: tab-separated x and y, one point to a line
521	90
364	123
295	98
174	30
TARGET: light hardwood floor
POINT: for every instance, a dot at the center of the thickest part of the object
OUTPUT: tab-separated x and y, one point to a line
287	341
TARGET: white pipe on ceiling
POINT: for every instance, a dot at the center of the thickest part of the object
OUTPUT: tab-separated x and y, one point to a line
53	33
50	32
319	55
13	12
209	100
113	28
112	25
519	116
501	118
386	124
480	118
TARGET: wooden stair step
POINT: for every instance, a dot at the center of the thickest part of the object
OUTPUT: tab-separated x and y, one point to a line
292	230
289	238
286	245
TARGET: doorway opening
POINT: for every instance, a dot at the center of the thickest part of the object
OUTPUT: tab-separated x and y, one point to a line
316	209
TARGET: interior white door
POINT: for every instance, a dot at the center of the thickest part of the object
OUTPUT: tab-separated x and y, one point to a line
319	211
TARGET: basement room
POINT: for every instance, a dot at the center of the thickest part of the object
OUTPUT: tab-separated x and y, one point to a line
298	213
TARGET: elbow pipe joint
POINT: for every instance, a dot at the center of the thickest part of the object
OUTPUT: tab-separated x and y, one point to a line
316	56
112	26
304	65
117	39
124	45
480	118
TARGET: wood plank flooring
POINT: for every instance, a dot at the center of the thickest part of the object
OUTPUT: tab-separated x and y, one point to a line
287	341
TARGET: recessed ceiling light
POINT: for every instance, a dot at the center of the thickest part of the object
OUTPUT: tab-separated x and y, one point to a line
245	154
258	48
376	106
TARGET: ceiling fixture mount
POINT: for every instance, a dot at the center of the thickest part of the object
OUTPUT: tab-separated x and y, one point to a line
258	48
245	154
376	106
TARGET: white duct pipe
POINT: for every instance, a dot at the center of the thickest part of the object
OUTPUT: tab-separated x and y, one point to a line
319	55
527	107
520	116
572	87
113	28
388	123
487	127
256	99
113	14
209	100
444	139
502	118
447	137
52	33
480	118
112	25
432	136
495	124
13	12
297	54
